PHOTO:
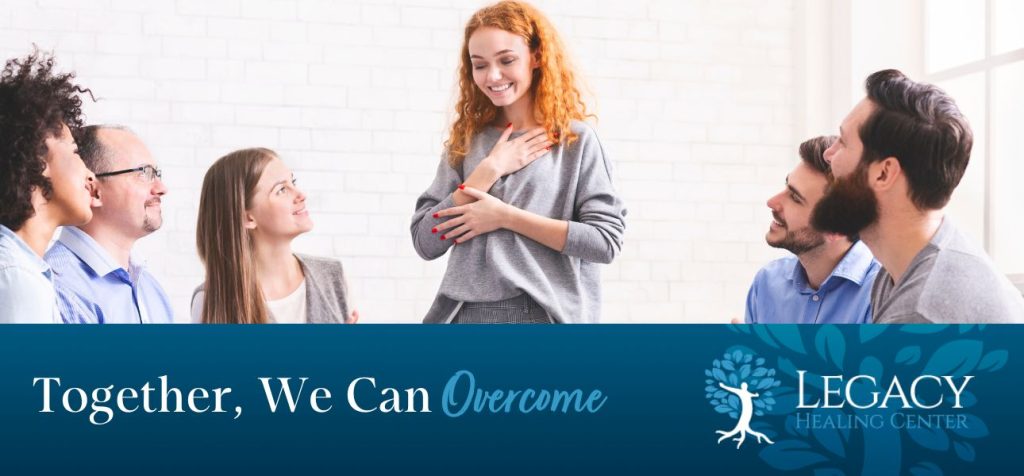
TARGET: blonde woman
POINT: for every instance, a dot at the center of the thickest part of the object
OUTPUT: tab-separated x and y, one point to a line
250	210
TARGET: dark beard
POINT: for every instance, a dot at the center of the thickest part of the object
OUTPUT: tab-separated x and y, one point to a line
848	207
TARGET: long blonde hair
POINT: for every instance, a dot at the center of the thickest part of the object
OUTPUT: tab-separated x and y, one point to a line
557	99
233	292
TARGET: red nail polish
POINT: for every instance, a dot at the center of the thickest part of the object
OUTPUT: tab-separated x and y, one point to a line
433	230
462	187
508	125
436	216
442	237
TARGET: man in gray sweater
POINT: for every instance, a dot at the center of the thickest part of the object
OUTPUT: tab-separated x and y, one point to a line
900	154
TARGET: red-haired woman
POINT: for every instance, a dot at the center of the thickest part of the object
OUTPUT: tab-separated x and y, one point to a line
523	196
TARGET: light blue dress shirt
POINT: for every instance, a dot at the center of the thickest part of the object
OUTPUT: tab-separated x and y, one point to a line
26	283
93	288
780	293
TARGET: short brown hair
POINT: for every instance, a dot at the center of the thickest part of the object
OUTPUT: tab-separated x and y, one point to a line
812	152
922	127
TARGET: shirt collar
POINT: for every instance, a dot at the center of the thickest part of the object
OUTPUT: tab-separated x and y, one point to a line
797	275
854	267
25	256
88	250
944	232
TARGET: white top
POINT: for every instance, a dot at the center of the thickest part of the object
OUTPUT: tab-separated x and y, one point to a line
290	309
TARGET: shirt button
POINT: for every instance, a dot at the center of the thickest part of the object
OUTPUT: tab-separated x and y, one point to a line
815	298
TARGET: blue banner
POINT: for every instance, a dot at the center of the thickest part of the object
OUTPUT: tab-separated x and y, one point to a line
637	399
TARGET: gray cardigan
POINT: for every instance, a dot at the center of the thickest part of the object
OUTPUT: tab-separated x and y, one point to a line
326	291
572	183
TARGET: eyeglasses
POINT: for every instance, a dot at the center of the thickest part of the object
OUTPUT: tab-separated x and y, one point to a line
148	173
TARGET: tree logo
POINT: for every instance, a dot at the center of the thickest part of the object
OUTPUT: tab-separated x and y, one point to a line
738	385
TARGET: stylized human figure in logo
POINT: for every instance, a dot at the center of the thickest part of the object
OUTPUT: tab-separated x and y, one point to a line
746	412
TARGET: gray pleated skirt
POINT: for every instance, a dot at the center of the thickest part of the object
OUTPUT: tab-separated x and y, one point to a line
521	309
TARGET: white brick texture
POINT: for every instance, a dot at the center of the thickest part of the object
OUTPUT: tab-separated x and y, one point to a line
694	99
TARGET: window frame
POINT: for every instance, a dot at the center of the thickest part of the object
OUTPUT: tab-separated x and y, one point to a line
986	65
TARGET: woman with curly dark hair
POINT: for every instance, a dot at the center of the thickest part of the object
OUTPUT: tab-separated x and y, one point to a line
43	182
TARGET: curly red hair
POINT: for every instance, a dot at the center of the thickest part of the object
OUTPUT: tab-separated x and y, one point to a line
556	98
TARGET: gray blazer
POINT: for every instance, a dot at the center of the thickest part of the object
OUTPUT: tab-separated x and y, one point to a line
326	291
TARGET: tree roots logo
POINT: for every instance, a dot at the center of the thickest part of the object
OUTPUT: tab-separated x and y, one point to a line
868	399
740	386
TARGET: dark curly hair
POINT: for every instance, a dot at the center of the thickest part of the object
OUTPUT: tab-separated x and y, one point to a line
35	103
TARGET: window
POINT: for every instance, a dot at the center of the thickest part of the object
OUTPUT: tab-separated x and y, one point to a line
975	50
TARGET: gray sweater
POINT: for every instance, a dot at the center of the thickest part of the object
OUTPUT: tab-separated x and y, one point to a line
572	183
326	291
951	281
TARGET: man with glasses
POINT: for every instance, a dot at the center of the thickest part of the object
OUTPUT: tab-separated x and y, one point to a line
97	279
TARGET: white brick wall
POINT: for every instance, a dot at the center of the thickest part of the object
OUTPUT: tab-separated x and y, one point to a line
695	99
